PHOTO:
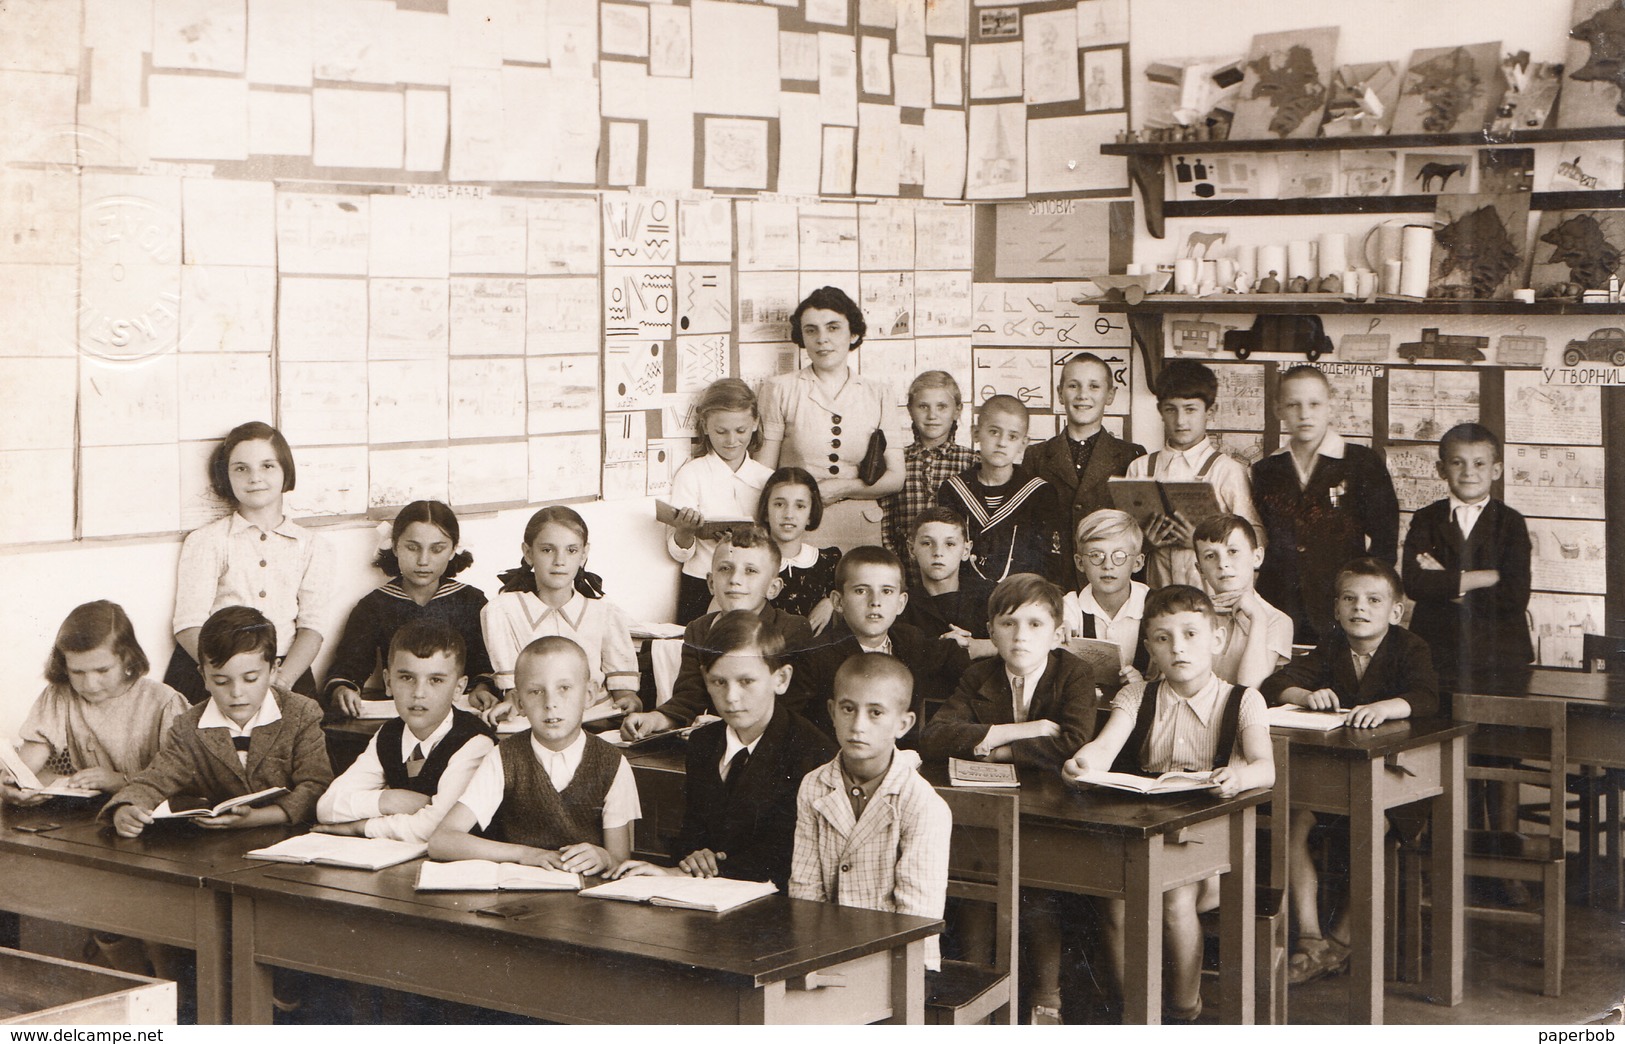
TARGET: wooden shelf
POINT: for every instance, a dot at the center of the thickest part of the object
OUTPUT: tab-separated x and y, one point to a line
1477	139
1228	208
1146	160
1300	304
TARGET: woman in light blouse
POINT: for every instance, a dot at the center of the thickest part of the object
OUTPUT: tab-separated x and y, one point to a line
822	416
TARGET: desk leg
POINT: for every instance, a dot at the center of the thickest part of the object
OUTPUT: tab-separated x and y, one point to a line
1237	896
908	983
251	990
213	916
1142	934
1449	832
1368	825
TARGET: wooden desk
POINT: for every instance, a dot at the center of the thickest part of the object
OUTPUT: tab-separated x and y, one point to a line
1595	703
1362	773
568	959
151	887
1094	842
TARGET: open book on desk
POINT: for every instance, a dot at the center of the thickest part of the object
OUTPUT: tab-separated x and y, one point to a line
377	710
352	853
1167	783
1146	498
713	894
29	783
187	806
710	529
483	875
1290	717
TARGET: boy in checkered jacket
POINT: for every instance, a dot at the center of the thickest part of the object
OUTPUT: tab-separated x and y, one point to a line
869	831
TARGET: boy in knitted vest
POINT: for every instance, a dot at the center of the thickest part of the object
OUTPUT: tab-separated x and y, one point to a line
555	797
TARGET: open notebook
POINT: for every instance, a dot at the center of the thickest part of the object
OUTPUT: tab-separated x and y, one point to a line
354	853
28	782
483	875
716	894
1167	783
1304	718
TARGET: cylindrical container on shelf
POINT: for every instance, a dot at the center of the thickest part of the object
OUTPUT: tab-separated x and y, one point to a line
1390	276
1226	269
1271	259
1365	283
1185	275
1300	260
1334	252
1416	252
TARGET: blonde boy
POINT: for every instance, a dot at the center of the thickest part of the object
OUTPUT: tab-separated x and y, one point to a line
869	831
555	797
1187	720
1111	604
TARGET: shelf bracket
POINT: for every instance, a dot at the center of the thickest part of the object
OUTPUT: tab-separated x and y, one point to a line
1146	173
1146	329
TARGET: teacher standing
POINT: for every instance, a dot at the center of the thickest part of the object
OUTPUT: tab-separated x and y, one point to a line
825	418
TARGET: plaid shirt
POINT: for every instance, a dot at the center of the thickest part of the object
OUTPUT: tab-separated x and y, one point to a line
895	858
925	470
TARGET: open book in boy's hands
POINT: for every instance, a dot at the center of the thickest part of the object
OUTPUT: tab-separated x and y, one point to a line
1290	717
187	806
1145	498
1167	783
29	783
354	853
714	894
483	875
1104	658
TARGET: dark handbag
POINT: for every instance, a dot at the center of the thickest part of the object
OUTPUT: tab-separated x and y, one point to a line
873	465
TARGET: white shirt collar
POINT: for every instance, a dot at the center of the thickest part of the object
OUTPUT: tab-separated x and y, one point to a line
239	524
1133	609
1029	684
806	558
1333	446
1194	455
570	612
270	711
731	745
1202	704
560	765
408	741
1473	510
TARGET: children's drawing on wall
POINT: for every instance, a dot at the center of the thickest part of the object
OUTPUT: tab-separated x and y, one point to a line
1351	401
1429	172
561	316
942	303
1594	87
766	300
1538	412
1555	481
1240	400
1103	79
1568	556
1415	470
1560	622
1478	245
736	154
1102	22
997	158
634	375
1424	404
701	359
638	304
1245	446
670	41
1050	57
887	300
1284	89
704	299
1022	372
638	230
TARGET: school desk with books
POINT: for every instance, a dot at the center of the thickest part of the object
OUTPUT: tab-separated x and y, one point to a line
342	850
1361	774
776	960
59	864
29	783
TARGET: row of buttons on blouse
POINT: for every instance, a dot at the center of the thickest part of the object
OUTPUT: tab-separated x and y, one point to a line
835	443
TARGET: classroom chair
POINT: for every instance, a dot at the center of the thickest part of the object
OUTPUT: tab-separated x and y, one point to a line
1509	855
984	865
1599	792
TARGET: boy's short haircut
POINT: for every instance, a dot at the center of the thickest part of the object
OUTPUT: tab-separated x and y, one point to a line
1179	598
1007	404
1470	433
1304	371
873	672
945	515
866	555
554	645
1368	566
1085	357
1217	530
1188	379
1107	523
1019	589
235	630
755	535
740	630
424	638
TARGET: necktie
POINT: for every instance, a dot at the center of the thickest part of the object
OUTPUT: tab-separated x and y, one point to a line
414	764
241	743
1017	685
736	768
1462	520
